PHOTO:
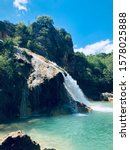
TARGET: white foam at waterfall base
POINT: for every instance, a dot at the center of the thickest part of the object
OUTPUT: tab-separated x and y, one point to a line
102	108
74	90
81	115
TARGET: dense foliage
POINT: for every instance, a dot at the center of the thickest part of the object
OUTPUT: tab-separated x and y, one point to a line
6	64
93	72
102	67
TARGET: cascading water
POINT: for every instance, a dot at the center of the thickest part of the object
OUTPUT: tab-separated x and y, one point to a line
74	90
76	93
72	87
69	83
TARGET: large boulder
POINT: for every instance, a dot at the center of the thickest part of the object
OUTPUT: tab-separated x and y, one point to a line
18	141
106	96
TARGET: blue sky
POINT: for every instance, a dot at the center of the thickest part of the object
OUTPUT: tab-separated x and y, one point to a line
88	21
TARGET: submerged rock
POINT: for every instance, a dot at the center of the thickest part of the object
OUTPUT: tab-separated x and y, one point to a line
18	141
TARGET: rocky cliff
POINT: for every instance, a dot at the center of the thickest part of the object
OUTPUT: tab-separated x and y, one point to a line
43	38
36	88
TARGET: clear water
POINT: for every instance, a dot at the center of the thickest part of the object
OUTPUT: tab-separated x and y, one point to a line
91	131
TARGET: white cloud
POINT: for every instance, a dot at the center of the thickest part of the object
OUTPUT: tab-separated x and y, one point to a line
105	46
20	4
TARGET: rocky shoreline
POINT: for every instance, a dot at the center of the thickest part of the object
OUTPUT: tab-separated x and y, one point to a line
19	141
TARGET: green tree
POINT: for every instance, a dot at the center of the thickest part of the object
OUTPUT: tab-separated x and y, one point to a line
5	66
21	34
45	21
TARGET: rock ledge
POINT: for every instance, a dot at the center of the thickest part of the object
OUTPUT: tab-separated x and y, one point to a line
18	141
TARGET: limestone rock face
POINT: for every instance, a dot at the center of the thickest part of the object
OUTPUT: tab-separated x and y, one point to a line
18	141
37	88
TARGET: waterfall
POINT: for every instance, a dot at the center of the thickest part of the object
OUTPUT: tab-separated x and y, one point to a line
74	90
72	87
69	83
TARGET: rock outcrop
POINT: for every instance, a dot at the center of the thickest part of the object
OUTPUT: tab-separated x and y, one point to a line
106	96
55	44
37	88
18	141
83	108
